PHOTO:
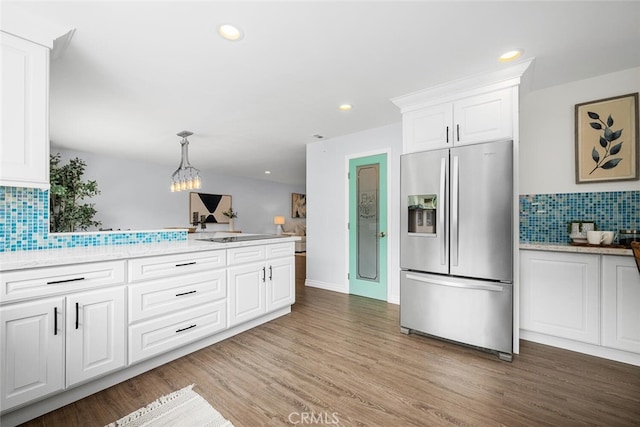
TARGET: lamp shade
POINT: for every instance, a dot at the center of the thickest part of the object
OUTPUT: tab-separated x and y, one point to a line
278	220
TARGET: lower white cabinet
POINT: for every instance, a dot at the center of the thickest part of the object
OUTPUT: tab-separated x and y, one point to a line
560	294
256	288
89	325
96	331
620	303
32	350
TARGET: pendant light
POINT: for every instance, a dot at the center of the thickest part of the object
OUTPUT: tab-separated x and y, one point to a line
186	177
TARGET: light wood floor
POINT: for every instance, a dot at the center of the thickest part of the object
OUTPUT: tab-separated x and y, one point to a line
343	358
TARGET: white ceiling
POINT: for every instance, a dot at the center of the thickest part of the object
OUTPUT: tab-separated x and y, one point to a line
137	73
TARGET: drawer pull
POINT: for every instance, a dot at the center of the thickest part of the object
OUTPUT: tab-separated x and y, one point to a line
184	329
186	263
77	314
55	282
55	320
186	293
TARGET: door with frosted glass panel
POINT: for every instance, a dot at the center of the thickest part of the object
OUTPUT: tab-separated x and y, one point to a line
368	226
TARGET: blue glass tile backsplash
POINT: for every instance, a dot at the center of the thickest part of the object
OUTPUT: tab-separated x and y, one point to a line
24	226
544	217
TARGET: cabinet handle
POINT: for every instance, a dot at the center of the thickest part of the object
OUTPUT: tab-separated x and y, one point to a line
447	134
270	273
184	329
77	314
458	133
186	263
264	274
55	282
186	293
55	320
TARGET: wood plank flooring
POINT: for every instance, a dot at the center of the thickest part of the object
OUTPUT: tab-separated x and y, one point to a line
341	360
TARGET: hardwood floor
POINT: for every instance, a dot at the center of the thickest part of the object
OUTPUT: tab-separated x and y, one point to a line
343	359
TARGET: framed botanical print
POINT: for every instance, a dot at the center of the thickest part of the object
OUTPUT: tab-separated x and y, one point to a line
607	139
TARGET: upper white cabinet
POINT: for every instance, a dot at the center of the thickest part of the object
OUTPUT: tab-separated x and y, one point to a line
24	146
470	120
621	303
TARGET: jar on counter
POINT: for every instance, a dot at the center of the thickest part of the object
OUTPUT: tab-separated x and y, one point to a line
625	237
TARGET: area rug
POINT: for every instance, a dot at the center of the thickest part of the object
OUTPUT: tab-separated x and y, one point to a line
181	408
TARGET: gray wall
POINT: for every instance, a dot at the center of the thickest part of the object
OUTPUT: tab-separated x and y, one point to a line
135	195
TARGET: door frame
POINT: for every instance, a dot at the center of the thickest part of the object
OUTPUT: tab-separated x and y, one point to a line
390	214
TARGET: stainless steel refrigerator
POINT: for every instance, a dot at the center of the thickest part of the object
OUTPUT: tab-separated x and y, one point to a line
457	245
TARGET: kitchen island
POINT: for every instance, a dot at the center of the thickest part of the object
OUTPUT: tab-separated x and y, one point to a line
76	321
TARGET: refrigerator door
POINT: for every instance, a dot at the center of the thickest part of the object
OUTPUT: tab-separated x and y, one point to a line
473	312
482	211
424	216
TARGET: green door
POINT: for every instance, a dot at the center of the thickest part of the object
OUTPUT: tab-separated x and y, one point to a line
368	226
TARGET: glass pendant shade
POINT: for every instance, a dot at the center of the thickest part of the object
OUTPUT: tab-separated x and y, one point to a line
186	177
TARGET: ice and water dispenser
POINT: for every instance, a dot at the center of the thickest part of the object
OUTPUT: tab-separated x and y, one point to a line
422	213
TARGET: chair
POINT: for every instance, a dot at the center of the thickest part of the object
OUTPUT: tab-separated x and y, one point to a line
635	246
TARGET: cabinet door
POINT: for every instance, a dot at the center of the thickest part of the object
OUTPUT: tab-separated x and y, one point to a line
95	333
247	290
24	145
481	118
560	294
620	303
32	350
428	128
281	285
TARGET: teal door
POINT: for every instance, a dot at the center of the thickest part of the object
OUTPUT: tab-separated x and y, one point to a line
368	226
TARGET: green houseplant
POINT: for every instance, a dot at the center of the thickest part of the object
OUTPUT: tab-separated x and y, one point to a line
68	190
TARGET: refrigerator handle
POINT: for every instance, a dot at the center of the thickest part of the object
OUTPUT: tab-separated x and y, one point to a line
454	212
476	286
441	210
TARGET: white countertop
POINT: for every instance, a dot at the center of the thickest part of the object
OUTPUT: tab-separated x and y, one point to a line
602	250
53	257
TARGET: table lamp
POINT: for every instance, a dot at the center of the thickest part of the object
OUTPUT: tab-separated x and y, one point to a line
278	221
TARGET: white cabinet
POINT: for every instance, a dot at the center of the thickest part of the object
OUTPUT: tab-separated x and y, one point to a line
620	303
24	143
95	333
263	281
57	331
479	118
32	356
175	300
560	294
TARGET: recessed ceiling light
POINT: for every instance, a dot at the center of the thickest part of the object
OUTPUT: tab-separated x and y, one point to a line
510	55
345	107
230	32
267	172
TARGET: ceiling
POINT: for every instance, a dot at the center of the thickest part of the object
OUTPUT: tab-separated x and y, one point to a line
137	73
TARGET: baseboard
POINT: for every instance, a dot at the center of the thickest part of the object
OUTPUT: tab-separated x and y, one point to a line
326	286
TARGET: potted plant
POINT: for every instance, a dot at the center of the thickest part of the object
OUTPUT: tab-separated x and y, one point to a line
231	214
66	212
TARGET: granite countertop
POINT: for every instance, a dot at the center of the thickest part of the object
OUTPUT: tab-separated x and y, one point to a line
566	247
54	257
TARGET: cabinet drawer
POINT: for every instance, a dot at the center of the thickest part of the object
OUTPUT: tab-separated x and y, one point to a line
172	265
246	254
162	296
40	282
160	335
281	250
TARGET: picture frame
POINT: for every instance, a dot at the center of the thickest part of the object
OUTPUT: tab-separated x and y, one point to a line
210	205
606	139
298	205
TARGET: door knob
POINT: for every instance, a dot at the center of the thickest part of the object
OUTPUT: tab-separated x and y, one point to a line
383	234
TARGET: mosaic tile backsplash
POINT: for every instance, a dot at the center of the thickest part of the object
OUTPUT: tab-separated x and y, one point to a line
544	217
24	226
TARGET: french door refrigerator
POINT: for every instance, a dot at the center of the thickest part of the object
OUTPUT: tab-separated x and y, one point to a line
456	251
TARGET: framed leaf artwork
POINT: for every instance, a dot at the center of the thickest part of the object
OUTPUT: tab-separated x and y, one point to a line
607	139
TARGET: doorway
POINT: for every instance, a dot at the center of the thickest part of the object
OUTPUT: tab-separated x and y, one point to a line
368	226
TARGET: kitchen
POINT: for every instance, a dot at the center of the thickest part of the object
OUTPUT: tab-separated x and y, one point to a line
325	162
